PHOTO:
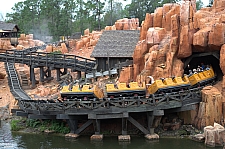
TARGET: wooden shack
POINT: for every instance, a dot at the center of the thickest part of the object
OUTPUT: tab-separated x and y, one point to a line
9	31
115	46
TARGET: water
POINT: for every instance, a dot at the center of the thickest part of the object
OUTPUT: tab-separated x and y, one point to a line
15	140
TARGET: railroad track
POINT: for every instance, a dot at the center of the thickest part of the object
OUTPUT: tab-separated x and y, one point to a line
14	83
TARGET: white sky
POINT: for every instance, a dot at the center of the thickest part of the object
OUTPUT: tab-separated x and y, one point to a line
6	5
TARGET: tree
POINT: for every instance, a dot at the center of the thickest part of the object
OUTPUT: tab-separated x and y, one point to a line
138	8
199	4
118	13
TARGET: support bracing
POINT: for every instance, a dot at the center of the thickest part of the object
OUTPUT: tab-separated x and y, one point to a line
138	125
124	126
96	124
32	77
84	126
72	124
150	119
59	73
45	75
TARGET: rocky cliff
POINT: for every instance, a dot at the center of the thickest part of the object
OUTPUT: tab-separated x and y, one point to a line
174	32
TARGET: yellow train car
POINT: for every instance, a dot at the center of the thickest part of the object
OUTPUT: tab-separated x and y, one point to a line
121	89
202	78
84	93
168	85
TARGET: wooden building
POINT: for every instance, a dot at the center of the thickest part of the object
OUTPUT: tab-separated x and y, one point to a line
115	46
9	31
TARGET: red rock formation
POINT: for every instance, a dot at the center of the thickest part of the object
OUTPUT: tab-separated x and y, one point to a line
127	24
210	108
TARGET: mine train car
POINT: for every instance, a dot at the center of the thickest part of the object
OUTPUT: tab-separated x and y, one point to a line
133	89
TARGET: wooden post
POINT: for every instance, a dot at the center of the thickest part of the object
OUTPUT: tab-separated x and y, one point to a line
124	126
42	74
150	118
32	76
72	124
108	64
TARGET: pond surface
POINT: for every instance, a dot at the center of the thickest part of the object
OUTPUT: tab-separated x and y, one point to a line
16	140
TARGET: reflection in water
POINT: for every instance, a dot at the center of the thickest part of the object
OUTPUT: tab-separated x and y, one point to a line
31	141
42	141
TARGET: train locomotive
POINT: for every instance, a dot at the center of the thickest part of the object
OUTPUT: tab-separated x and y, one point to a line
133	89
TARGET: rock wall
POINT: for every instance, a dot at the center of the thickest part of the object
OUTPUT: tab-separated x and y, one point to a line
173	32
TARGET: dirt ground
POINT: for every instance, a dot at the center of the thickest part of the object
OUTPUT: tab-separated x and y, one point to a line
6	98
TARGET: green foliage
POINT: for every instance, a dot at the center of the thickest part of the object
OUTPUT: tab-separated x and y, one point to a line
15	125
199	4
59	127
33	123
42	125
138	8
57	18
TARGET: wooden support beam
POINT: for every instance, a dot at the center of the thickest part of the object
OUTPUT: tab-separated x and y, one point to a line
84	126
32	77
96	124
107	116
158	112
15	110
124	126
138	125
42	74
184	108
150	119
65	116
21	113
72	124
34	116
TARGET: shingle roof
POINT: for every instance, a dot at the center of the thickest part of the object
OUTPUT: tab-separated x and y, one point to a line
116	43
7	26
76	35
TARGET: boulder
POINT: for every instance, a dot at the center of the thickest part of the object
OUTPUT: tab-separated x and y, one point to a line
157	19
216	36
168	11
222	59
146	24
126	75
200	40
184	13
155	35
185	49
214	135
210	108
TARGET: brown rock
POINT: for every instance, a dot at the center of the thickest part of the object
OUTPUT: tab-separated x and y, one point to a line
216	36
213	105
168	11
184	13
148	22
200	39
49	48
222	59
158	15
87	32
155	35
185	47
126	75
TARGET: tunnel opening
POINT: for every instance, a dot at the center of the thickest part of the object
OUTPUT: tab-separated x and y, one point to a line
211	58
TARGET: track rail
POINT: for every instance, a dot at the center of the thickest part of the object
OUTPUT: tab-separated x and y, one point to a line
30	57
14	83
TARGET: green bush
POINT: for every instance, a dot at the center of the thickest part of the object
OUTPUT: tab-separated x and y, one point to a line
57	126
15	125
